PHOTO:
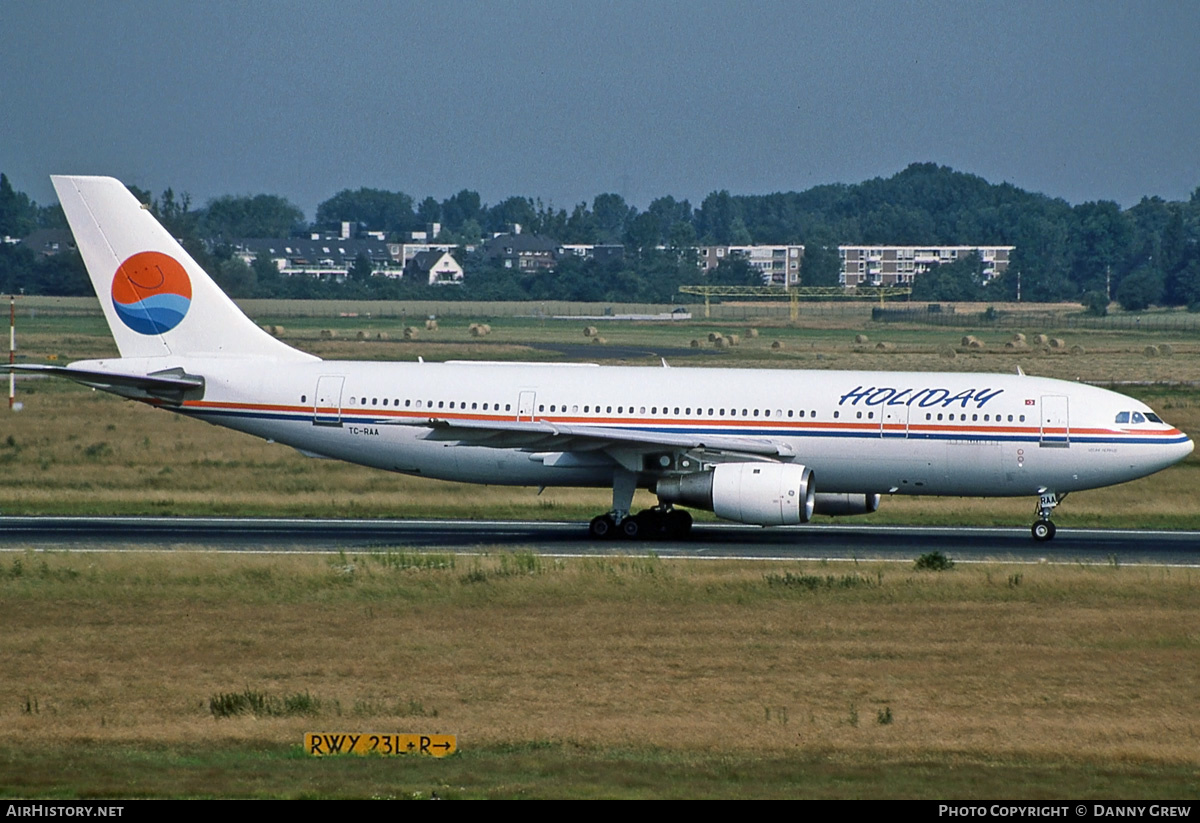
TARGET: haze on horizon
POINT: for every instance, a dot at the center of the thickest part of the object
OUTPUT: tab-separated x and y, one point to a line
564	101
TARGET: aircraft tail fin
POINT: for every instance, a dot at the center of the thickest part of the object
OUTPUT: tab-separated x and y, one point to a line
157	300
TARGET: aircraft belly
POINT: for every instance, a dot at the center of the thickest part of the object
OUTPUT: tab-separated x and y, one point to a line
403	449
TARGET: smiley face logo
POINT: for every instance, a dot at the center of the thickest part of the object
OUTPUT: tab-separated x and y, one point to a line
151	292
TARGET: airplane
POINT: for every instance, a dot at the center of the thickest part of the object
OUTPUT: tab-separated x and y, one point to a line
765	447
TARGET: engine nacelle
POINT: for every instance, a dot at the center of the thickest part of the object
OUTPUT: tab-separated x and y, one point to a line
842	505
762	494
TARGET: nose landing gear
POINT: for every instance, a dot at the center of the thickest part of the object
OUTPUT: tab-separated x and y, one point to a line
1043	529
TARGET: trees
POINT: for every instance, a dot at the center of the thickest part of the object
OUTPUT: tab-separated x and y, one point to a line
957	281
263	215
1140	289
18	214
377	209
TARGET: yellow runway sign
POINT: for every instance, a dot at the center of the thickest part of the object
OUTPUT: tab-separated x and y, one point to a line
433	745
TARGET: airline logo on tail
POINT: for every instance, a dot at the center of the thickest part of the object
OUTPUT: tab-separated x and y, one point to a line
151	292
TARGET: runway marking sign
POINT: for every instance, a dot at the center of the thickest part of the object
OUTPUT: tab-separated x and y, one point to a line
434	745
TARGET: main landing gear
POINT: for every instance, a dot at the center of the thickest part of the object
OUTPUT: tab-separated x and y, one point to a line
1043	529
658	523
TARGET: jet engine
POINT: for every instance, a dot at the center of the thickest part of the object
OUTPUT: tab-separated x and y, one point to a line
842	505
762	494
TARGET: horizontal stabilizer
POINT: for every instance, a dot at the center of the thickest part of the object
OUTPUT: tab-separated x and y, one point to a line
172	386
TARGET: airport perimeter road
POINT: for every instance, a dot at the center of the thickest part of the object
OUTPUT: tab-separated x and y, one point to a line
707	540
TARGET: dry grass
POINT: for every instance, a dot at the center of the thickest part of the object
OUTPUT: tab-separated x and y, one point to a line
998	662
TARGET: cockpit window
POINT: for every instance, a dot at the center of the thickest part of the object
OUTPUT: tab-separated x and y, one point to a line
1153	418
1138	417
1122	417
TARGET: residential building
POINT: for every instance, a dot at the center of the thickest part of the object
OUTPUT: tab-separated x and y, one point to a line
778	265
525	252
319	257
438	268
899	265
602	253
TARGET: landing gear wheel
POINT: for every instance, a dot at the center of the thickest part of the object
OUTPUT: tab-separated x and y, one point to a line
602	527
631	528
678	524
1043	530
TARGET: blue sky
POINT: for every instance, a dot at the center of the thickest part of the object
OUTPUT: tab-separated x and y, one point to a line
566	100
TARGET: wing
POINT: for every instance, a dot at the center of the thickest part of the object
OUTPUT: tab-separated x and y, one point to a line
171	386
625	445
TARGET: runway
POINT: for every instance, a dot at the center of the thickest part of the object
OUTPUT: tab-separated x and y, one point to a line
835	541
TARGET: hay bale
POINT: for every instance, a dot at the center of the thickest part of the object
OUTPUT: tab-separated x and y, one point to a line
328	334
277	330
1013	345
861	338
599	340
734	340
946	352
1018	338
968	339
410	333
361	335
590	331
1041	339
714	336
696	344
776	344
1057	343
431	325
1166	349
1150	351
721	342
383	336
751	333
975	344
1077	350
881	346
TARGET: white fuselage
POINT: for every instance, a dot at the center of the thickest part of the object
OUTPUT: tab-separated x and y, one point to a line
897	432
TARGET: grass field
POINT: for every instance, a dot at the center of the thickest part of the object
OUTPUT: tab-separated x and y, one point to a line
615	677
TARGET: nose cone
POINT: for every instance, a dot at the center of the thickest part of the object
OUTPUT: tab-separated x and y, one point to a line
1185	448
1176	451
